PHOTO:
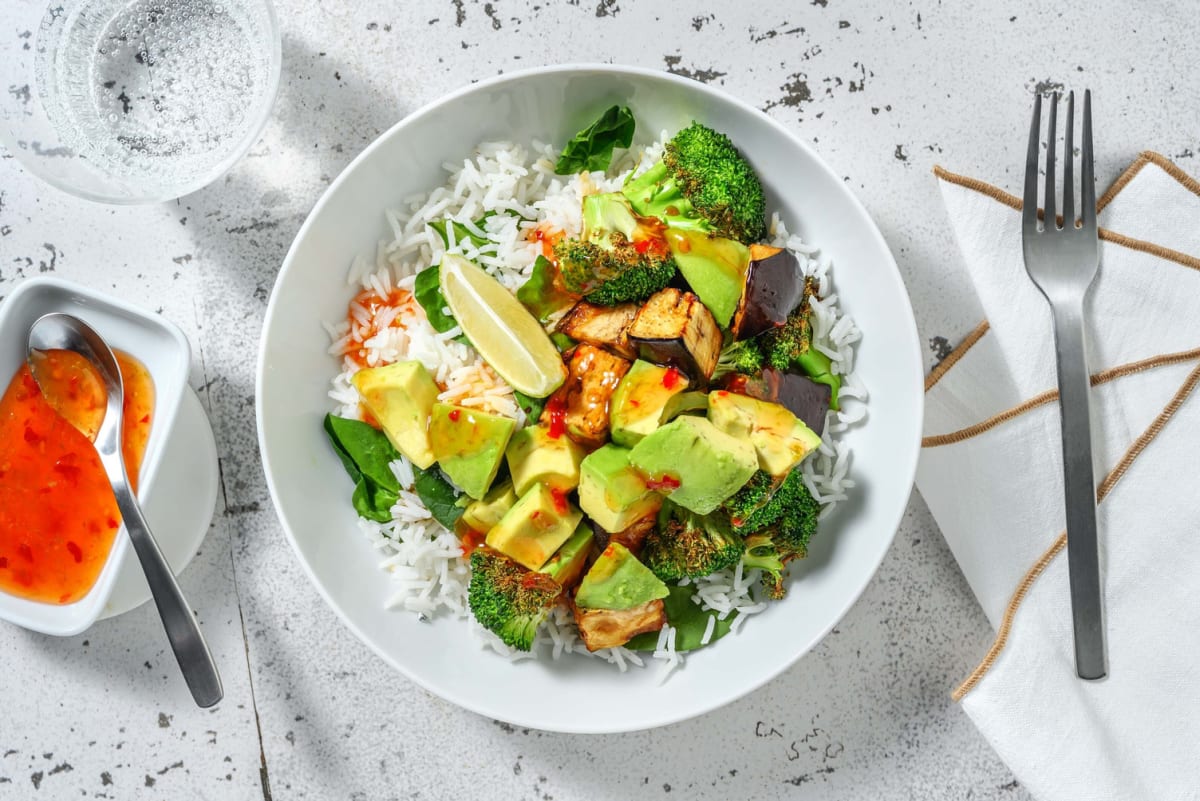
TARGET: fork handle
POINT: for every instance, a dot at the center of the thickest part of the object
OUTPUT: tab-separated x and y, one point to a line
1083	559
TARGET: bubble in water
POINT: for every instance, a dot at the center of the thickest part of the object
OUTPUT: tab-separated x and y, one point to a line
158	90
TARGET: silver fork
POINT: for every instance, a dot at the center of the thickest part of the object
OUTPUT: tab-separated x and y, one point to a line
1063	262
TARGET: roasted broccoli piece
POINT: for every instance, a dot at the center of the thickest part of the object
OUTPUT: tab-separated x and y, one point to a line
789	348
780	519
508	600
744	357
621	257
786	505
702	183
762	553
688	545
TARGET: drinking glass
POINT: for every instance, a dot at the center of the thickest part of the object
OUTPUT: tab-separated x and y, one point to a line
135	101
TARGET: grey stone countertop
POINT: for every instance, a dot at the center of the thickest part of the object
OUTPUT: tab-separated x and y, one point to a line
883	91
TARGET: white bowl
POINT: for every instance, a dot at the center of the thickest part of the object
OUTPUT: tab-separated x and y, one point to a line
312	493
165	352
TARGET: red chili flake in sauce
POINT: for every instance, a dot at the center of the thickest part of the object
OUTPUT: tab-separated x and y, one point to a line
642	245
470	539
556	407
454	415
536	514
560	500
75	550
671	378
666	482
738	383
736	521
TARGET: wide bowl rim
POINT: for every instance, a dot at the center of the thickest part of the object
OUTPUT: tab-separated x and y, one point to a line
906	469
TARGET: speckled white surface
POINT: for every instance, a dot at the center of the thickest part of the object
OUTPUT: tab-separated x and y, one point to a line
884	90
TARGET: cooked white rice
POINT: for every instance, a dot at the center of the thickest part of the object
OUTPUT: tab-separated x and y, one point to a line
515	189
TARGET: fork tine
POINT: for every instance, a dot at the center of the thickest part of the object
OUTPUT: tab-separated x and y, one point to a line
1050	222
1087	181
1069	165
1029	204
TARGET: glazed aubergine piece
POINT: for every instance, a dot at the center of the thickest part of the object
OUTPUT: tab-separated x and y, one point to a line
603	326
632	537
799	394
580	405
773	288
608	628
675	328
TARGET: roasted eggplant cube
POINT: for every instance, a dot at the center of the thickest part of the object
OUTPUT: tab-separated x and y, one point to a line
799	394
773	288
675	328
582	400
603	326
608	628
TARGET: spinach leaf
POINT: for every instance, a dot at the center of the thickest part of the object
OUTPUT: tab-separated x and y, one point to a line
540	293
461	232
592	148
530	405
427	289
562	341
365	451
439	497
366	454
372	501
689	621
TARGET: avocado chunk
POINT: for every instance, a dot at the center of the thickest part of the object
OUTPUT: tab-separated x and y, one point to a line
612	492
714	268
638	402
617	580
485	513
780	440
536	457
695	463
535	527
401	397
685	403
469	445
568	562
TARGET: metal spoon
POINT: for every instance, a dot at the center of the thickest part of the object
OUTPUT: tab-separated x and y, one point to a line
64	332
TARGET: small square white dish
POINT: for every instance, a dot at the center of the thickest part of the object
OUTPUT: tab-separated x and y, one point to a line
161	347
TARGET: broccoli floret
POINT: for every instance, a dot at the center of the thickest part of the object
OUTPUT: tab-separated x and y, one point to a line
703	183
787	506
687	545
762	553
748	507
744	357
619	258
779	529
789	348
508	600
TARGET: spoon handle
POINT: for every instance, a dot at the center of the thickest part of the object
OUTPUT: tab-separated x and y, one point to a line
191	651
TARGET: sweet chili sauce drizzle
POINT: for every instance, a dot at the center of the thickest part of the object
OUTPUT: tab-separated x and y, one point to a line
58	516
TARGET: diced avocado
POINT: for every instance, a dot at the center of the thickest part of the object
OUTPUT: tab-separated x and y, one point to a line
469	445
685	403
695	463
617	580
401	396
536	457
612	492
779	438
537	526
714	268
485	513
566	566
638	402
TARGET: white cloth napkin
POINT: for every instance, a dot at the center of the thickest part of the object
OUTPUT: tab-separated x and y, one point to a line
991	474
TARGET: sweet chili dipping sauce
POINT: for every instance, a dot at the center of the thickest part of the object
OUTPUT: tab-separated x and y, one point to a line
58	516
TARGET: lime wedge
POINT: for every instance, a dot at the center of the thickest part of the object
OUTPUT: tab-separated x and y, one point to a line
506	335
